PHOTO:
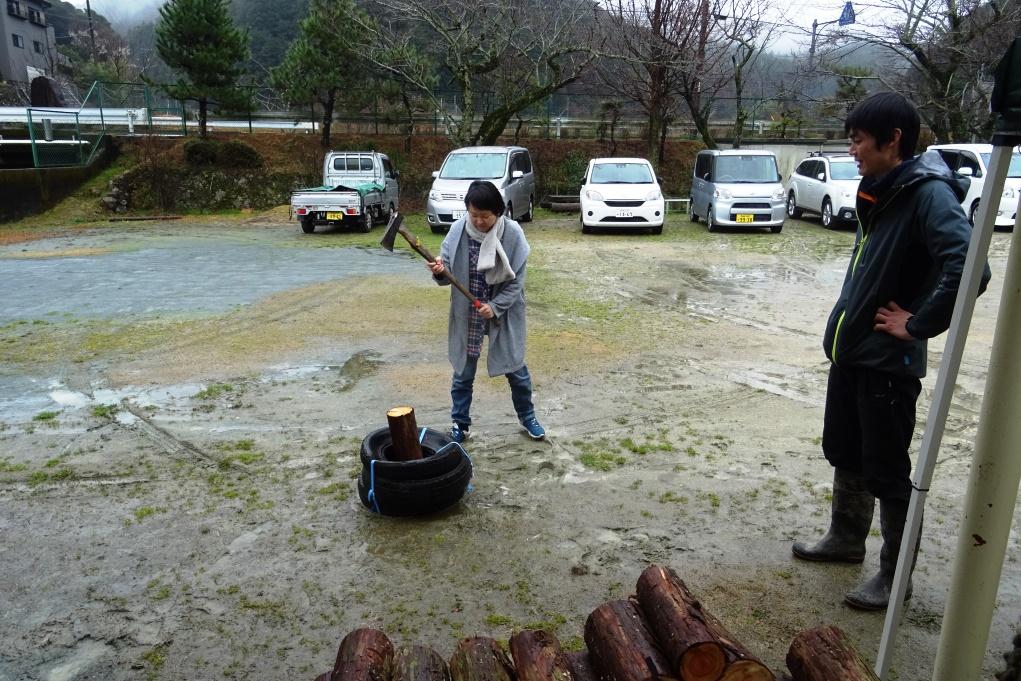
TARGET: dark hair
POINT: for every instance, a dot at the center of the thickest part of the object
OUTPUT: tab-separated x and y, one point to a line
880	114
483	195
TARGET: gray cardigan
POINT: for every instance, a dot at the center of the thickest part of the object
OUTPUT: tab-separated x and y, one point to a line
507	341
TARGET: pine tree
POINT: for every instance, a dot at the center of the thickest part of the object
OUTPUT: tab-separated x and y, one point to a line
198	39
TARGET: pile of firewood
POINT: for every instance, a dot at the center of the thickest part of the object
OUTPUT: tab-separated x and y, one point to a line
662	633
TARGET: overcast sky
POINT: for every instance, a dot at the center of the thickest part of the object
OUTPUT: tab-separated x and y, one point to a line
791	34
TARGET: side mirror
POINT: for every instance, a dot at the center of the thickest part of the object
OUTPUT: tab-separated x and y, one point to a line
397	174
436	174
659	180
707	177
966	171
582	179
821	177
517	175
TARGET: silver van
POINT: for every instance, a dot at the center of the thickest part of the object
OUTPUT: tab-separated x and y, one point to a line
737	188
509	168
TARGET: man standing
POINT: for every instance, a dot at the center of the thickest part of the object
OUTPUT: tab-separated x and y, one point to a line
899	290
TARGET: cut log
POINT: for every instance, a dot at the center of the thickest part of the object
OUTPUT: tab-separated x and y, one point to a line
364	655
324	677
404	445
825	654
478	658
418	663
697	646
622	646
581	666
538	657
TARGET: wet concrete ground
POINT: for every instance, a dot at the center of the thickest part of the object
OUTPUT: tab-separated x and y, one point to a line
181	408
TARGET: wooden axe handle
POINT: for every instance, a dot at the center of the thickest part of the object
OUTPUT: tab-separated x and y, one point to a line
424	252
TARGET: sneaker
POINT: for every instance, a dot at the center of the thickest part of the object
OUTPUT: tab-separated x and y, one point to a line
535	431
459	433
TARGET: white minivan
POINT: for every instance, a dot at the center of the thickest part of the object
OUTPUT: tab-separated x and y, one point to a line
737	188
509	168
972	161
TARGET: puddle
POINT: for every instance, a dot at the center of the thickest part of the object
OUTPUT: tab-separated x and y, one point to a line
357	367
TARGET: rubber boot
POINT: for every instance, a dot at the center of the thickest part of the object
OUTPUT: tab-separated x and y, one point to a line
874	593
850	520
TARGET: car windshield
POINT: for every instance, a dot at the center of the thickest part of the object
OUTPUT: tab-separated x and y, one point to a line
474	166
751	168
844	170
621	173
1015	164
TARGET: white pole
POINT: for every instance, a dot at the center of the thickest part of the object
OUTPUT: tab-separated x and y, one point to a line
992	493
935	424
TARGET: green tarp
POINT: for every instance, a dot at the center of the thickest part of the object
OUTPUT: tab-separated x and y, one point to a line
363	188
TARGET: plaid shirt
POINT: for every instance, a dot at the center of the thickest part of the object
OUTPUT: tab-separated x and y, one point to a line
480	289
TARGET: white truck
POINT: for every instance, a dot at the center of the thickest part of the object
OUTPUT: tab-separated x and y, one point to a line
359	189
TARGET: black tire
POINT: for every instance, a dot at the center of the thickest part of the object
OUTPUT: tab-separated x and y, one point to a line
390	212
792	207
377	445
710	223
826	213
973	213
365	224
308	225
656	230
527	217
438	229
776	230
509	211
692	215
415	497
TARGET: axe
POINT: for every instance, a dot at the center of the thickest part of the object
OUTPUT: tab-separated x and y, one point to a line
394	227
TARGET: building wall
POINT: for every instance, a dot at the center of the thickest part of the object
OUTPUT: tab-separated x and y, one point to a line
15	60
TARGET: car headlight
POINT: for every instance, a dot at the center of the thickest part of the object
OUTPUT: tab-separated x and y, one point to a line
654	195
593	195
434	195
778	194
722	193
1009	193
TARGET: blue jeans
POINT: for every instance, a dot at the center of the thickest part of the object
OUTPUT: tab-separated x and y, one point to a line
461	392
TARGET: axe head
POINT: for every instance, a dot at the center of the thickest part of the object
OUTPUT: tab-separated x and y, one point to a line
390	235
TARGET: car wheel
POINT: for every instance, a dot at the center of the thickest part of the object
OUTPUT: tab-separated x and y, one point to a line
827	213
792	207
527	217
776	229
710	224
308	225
692	215
656	230
585	229
390	212
509	211
438	229
973	213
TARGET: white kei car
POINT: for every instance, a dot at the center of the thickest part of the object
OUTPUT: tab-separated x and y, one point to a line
827	184
621	193
972	161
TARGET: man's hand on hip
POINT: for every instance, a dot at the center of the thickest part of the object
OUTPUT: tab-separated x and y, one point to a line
893	319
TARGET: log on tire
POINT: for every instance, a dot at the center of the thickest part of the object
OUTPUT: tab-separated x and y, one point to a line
622	646
581	666
538	657
696	644
418	663
403	434
478	658
825	654
364	655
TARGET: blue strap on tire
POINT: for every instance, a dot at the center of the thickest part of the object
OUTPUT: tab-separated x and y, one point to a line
372	487
421	436
447	446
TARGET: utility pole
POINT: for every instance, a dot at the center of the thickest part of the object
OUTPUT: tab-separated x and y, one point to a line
92	31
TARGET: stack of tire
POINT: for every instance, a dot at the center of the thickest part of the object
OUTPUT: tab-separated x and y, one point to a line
419	487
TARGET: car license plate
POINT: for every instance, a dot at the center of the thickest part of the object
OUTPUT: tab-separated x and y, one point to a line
625	214
745	218
457	214
333	215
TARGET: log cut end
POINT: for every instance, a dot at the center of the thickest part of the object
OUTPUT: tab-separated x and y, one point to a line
397	412
702	662
418	663
747	670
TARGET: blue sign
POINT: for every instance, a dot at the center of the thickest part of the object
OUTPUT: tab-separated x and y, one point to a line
847	16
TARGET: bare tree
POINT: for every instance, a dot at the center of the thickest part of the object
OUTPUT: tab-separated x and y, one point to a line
748	35
515	54
944	52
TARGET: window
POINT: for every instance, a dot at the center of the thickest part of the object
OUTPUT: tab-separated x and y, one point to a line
621	173
805	168
522	162
18	40
749	169
702	166
474	166
36	17
968	160
951	158
37	46
15	9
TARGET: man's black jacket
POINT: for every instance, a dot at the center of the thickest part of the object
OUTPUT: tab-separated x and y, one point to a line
910	248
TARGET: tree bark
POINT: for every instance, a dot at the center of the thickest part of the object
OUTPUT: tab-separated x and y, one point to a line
622	646
328	103
404	445
696	644
324	677
538	657
825	654
418	663
364	655
581	666
480	659
203	114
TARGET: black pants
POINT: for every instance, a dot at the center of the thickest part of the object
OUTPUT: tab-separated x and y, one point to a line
870	417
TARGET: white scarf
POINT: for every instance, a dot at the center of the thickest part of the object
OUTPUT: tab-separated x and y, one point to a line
493	260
